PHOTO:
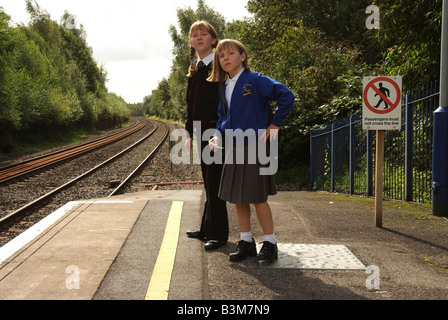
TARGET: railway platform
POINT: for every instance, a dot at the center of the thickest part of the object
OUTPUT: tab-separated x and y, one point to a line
134	247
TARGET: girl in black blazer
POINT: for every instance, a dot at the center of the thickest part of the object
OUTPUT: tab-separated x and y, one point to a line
202	109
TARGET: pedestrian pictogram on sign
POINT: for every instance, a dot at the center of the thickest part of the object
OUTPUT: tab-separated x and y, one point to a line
381	103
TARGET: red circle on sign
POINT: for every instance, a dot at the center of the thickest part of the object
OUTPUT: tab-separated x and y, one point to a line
391	105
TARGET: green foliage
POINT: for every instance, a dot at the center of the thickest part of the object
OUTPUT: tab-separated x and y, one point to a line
9	114
409	38
160	100
49	81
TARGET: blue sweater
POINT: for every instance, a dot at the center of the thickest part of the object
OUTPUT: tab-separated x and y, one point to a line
250	104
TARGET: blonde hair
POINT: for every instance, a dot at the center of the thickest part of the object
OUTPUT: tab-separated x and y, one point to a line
218	74
199	25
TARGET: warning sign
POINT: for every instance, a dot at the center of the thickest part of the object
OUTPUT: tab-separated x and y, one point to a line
381	100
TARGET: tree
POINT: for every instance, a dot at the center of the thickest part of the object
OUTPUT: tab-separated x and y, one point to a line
9	113
160	100
410	36
49	81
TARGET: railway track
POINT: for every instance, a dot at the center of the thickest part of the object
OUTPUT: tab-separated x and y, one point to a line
92	174
16	170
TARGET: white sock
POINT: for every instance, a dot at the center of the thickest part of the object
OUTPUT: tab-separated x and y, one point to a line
246	236
270	238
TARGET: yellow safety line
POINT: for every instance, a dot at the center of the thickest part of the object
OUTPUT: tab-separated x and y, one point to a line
159	285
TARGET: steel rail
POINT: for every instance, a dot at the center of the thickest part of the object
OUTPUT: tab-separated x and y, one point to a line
10	218
26	167
123	183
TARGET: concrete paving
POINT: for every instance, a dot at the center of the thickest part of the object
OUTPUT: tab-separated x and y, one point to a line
106	250
69	260
406	259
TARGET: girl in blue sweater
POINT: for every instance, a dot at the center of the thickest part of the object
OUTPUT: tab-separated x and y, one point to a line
244	112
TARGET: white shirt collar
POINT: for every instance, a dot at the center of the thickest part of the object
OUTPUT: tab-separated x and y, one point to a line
207	59
235	78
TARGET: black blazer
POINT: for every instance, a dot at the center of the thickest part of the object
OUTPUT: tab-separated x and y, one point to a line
202	100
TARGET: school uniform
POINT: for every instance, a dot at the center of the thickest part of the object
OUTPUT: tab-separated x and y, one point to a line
244	104
202	104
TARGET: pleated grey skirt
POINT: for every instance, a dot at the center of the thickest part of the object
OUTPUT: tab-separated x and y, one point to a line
241	181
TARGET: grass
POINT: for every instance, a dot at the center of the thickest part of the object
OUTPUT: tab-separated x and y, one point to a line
28	148
297	178
38	144
435	265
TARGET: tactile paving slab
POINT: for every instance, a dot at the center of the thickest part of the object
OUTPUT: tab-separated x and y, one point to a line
314	256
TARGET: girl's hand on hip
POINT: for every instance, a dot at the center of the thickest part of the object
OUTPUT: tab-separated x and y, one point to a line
271	133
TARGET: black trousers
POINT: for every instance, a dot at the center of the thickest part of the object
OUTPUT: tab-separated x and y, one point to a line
215	221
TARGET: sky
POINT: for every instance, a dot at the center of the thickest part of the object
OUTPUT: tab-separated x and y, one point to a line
129	37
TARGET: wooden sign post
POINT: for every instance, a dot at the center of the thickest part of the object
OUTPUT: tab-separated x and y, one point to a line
379	165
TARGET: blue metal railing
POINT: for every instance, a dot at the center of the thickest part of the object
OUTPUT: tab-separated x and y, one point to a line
343	155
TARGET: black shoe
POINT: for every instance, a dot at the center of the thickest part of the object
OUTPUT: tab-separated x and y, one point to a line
243	250
268	252
214	244
196	234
